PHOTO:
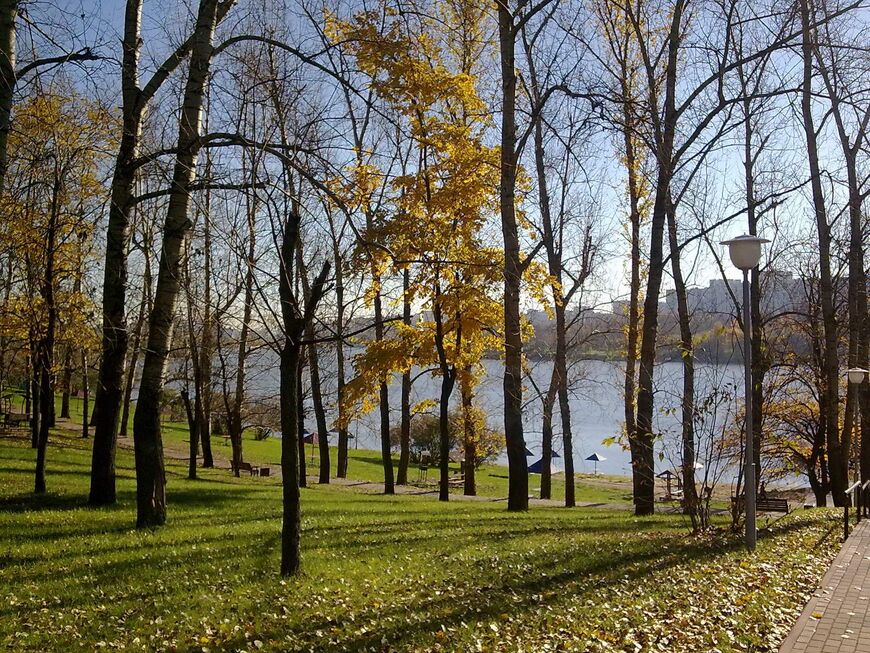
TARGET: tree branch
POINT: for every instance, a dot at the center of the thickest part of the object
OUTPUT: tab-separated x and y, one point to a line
85	54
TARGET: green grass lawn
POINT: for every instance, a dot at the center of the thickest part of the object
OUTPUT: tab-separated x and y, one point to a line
380	573
366	465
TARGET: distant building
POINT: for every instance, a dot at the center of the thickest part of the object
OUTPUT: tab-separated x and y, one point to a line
537	317
717	297
780	291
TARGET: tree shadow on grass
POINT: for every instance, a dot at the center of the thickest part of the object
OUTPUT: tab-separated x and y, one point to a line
555	573
374	459
138	559
30	502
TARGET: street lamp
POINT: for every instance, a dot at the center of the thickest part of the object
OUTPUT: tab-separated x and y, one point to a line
856	376
745	252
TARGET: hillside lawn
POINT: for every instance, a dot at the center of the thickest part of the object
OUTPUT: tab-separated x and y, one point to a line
379	573
366	465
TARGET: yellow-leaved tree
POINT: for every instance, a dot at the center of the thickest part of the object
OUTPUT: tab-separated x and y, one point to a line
53	196
426	72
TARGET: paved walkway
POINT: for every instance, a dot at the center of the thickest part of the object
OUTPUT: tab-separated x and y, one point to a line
837	617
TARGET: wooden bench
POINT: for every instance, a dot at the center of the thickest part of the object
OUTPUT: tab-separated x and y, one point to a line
771	505
16	419
765	504
245	467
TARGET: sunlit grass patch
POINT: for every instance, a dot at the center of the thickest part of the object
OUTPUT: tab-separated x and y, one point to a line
380	573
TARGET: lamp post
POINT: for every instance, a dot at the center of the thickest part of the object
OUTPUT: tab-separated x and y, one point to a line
856	376
745	252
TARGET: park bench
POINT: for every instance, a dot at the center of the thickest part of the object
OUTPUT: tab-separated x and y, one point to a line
15	419
245	467
765	504
771	505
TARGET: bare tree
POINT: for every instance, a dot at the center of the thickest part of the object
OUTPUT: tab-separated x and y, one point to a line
135	100
837	450
150	475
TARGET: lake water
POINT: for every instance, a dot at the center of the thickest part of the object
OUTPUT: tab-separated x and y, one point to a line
596	406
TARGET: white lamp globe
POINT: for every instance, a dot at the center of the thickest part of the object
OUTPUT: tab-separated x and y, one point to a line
856	375
745	250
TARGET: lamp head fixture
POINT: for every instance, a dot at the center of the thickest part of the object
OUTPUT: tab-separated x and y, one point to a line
745	250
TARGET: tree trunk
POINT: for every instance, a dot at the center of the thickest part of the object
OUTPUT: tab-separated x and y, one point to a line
341	468
194	413
234	421
319	412
137	347
547	434
643	461
111	374
291	527
859	321
8	18
46	346
46	401
837	451
561	367
206	347
66	383
448	380
34	382
384	405
758	359
193	429
633	326
95	413
86	392
294	323
314	378
109	386
405	420
300	417
28	375
518	474
199	414
643	458
857	397
687	356
150	475
124	423
554	265
471	438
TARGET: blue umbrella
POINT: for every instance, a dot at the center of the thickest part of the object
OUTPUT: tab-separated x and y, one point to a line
536	467
595	458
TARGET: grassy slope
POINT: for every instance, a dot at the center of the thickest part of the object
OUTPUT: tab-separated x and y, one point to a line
380	573
365	465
